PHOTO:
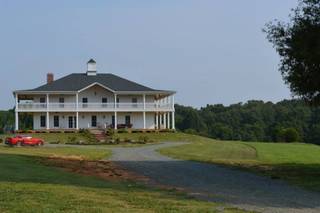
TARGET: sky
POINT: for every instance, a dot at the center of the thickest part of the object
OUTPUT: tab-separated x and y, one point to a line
209	51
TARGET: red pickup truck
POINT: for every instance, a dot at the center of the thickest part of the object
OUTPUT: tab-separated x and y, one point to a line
23	140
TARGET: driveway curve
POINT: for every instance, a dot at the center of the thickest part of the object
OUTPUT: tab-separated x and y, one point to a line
234	187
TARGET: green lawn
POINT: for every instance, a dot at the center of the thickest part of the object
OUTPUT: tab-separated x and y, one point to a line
160	136
297	163
53	137
87	154
26	186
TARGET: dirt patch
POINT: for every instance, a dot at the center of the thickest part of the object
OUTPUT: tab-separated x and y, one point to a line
102	169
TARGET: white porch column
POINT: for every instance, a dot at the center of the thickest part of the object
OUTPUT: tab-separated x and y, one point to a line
16	113
160	126
144	111
157	121
115	112
77	110
47	117
165	120
173	119
168	120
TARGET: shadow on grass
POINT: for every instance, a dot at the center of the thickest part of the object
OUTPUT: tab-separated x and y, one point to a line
29	169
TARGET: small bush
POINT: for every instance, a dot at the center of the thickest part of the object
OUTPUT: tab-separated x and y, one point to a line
144	139
72	139
1	140
110	132
190	131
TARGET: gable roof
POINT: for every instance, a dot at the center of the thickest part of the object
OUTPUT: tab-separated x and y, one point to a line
77	81
91	61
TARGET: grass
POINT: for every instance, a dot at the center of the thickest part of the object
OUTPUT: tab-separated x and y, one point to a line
159	136
30	186
87	154
297	163
53	137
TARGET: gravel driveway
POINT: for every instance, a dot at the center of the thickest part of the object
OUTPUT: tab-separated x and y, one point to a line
237	188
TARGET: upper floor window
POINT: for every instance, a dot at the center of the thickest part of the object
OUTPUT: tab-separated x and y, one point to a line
134	102
104	102
118	100
61	101
84	102
42	102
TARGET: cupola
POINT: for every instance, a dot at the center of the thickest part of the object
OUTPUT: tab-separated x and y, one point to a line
91	67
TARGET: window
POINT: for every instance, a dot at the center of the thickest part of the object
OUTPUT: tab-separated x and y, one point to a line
118	101
61	101
134	102
84	102
113	121
42	102
55	121
128	120
104	102
42	121
94	121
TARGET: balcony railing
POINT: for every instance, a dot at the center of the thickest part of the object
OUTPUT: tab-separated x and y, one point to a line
94	106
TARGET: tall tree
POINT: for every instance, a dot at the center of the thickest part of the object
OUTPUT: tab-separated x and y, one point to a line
298	44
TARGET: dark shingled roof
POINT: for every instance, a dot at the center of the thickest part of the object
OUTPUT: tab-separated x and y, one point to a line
91	61
78	81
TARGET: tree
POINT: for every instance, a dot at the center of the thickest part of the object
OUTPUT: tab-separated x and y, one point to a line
289	135
298	44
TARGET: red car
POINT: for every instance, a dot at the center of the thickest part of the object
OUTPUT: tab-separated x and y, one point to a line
23	140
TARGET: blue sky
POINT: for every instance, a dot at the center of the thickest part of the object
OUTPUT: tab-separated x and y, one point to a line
209	51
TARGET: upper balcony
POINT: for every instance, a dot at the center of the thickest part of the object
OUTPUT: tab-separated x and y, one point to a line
94	107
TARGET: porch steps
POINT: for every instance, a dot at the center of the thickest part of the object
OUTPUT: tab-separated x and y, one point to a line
99	135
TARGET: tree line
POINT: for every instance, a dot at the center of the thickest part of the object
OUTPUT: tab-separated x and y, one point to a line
285	121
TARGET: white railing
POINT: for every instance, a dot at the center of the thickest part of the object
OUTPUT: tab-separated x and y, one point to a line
32	106
93	106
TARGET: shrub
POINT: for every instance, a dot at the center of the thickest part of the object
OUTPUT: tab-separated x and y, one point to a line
190	131
110	132
288	135
72	139
144	139
1	140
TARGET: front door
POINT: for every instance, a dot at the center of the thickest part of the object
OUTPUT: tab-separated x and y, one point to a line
70	122
94	121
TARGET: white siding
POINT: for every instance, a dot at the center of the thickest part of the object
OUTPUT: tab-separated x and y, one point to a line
95	94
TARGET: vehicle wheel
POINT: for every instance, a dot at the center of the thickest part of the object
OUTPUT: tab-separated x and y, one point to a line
40	144
19	144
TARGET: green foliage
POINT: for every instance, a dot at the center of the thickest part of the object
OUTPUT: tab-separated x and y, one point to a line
288	135
72	139
144	139
288	120
298	43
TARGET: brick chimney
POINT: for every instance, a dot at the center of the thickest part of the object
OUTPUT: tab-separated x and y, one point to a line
50	78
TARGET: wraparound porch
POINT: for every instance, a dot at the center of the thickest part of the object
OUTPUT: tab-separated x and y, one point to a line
87	120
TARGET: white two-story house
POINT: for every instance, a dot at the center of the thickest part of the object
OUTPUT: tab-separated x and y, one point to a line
95	100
